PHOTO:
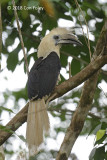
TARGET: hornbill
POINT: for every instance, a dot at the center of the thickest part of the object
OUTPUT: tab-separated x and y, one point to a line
42	79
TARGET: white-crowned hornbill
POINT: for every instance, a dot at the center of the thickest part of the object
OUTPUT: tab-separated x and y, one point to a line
42	79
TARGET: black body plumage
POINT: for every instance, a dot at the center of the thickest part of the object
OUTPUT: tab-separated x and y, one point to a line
43	76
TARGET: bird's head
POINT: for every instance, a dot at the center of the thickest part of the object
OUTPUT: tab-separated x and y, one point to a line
54	40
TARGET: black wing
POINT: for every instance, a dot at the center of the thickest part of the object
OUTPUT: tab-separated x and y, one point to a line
43	76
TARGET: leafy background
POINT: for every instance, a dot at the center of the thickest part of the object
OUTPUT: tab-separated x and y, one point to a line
34	25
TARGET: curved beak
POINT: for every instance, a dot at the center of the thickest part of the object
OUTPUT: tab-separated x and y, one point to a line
69	39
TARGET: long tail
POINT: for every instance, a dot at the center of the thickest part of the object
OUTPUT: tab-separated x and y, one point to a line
37	124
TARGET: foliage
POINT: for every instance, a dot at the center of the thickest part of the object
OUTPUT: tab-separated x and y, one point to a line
34	24
101	141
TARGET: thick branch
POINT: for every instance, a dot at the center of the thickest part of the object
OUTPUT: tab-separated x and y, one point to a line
78	118
66	86
84	105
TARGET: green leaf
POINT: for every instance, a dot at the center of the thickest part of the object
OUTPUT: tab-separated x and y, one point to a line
91	6
22	138
34	27
92	153
95	127
12	60
100	153
6	109
32	3
102	140
104	124
62	79
20	94
9	41
75	67
3	1
100	134
63	60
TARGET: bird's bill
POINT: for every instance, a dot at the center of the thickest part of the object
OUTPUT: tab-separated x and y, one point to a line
69	39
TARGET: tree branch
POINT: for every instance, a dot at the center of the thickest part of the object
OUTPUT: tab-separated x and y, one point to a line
78	118
85	103
63	88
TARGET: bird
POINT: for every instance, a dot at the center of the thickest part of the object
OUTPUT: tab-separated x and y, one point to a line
42	80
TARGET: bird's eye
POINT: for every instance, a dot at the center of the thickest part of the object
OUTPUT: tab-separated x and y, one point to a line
56	37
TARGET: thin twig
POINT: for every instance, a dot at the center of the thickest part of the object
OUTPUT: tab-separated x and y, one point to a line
0	35
69	70
49	99
1	147
104	72
88	44
102	91
21	38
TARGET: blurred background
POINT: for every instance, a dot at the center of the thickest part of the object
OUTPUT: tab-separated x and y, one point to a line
37	17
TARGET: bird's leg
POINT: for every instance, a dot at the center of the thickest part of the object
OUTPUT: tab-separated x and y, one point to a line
49	99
